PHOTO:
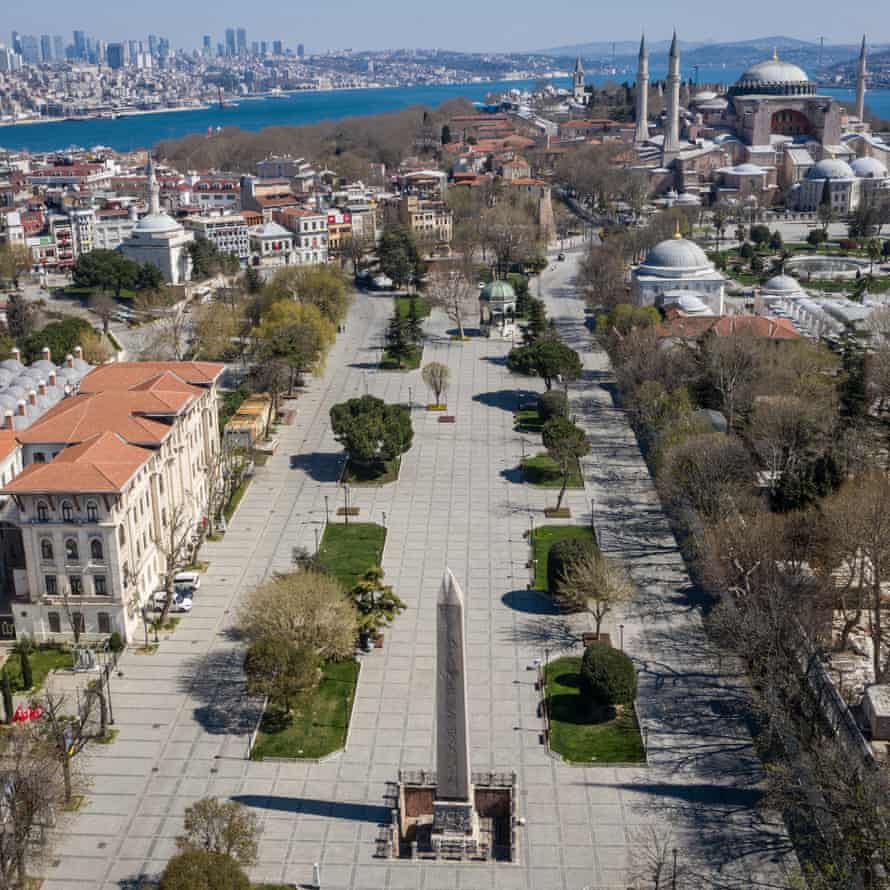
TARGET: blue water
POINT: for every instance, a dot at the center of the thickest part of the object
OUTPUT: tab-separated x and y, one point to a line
139	131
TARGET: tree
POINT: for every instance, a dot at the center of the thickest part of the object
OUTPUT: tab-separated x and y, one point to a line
8	705
355	248
760	234
509	233
602	274
536	326
399	346
321	286
309	610
565	443
280	670
21	317
223	827
253	282
168	337
413	322
14	259
775	241
436	376
23	649
371	431
208	260
31	794
104	307
216	328
816	237
225	472
730	365
203	870
61	337
106	270
595	583
175	543
549	358
608	676
455	295
377	603
398	256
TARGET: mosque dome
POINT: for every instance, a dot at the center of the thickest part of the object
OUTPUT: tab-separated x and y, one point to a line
677	253
498	292
774	77
869	168
156	224
831	168
781	284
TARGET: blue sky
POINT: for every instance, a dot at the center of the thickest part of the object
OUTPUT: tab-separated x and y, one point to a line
459	24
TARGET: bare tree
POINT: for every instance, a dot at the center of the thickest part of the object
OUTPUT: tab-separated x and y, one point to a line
653	865
74	617
103	306
175	543
596	583
731	365
435	376
222	827
602	276
31	792
455	295
168	338
355	248
224	475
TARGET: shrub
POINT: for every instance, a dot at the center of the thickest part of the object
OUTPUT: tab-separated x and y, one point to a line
116	642
848	244
746	251
816	237
203	870
607	676
561	555
552	404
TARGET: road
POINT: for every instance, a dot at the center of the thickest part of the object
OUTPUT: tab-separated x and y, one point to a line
458	503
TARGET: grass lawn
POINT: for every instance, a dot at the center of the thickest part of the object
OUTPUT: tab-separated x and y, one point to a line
87	292
582	734
528	420
358	474
42	662
348	551
545	537
543	470
410	363
423	306
318	725
235	499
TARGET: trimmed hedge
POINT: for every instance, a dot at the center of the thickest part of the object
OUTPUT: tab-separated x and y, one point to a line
607	676
562	554
552	404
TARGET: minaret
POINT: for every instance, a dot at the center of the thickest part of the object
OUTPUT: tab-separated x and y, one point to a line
641	133
578	81
860	83
672	122
154	190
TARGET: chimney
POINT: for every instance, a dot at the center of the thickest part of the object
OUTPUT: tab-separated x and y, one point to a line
47	355
69	360
41	387
78	352
17	354
21	408
7	420
32	397
52	378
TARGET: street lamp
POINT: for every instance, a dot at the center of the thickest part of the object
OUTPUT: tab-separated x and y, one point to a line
621	635
316	540
384	518
327	515
410	397
346	504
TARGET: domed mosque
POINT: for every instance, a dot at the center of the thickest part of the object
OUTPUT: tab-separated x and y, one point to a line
771	132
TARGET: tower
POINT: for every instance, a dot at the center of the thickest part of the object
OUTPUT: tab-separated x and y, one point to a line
641	133
578	81
672	122
860	83
154	190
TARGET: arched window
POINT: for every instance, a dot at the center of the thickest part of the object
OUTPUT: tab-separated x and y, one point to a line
71	550
42	511
92	511
96	551
67	511
46	549
121	535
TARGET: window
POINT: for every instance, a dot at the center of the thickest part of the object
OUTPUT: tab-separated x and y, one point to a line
75	582
99	586
77	622
125	573
42	511
121	535
49	582
104	620
46	549
71	554
39	457
67	511
92	511
55	622
96	551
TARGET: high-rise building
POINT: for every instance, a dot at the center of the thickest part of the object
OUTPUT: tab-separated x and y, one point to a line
264	47
10	60
300	50
80	45
16	42
163	47
152	44
230	41
255	47
58	48
46	48
207	44
242	41
30	49
277	48
115	55
133	50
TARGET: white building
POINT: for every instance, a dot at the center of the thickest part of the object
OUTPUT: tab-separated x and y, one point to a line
272	244
229	232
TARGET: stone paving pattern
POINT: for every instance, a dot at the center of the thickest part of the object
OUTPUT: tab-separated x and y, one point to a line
184	718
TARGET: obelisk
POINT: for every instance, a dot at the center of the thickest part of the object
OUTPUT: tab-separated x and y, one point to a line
454	819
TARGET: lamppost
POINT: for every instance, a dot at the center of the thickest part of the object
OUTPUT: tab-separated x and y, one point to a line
327	515
593	516
621	635
108	691
410	397
674	878
384	518
316	539
346	504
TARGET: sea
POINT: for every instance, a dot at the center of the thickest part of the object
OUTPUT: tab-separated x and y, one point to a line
309	107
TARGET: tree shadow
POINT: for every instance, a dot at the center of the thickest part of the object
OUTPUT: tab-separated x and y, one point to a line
332	809
532	602
507	399
495	359
554	631
569	708
513	475
319	466
364	366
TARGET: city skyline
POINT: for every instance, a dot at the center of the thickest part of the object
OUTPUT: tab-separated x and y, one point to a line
393	24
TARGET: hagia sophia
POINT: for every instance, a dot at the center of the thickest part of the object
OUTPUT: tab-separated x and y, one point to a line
770	138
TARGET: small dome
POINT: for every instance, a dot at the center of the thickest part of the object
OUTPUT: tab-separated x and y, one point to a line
869	168
11	364
705	96
156	223
782	284
498	292
747	169
677	253
831	168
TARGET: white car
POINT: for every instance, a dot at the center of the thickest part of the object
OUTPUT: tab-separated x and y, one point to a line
181	602
191	580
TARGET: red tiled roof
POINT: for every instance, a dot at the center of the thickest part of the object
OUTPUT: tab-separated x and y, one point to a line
8	443
126	375
694	328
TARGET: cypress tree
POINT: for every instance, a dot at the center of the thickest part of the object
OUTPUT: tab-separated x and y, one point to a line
27	676
7	697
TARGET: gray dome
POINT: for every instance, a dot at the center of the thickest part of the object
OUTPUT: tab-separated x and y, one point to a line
774	71
782	284
831	168
869	168
10	364
156	224
677	253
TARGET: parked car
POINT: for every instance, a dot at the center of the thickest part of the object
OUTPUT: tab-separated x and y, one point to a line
181	602
191	580
561	257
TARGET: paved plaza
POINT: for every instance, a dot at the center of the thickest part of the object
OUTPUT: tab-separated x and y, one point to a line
184	719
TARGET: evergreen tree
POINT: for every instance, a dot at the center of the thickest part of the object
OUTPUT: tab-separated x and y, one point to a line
7	697
398	345
252	280
20	317
537	323
413	323
27	675
854	399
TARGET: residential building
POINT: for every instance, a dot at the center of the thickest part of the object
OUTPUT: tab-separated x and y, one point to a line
310	230
427	220
339	230
228	232
271	245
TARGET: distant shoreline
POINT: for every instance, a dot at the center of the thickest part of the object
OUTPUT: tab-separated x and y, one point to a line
135	112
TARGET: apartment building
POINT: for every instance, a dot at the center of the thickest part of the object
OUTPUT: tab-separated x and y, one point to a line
229	232
427	220
310	230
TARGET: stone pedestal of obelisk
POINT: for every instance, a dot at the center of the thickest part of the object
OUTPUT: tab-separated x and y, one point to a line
455	823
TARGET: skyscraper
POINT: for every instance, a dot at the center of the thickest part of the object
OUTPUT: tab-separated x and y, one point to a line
115	55
207	44
242	41
58	48
46	48
152	44
277	47
16	42
30	49
300	50
230	41
80	45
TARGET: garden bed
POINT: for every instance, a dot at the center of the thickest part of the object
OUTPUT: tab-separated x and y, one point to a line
318	725
542	470
43	661
410	363
404	306
235	499
581	732
545	537
348	551
528	420
361	474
